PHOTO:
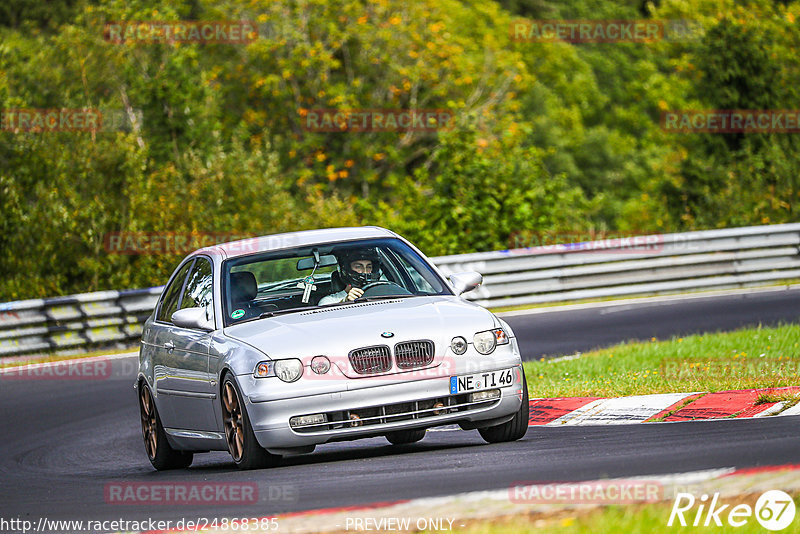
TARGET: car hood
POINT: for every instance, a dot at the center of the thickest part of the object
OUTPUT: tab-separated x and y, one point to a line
335	331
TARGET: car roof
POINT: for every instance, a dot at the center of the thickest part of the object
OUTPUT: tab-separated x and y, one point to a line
254	245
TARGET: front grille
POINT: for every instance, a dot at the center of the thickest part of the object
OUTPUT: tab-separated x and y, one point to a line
371	360
347	421
410	354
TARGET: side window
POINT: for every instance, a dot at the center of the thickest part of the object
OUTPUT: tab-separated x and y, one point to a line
169	304
199	288
421	284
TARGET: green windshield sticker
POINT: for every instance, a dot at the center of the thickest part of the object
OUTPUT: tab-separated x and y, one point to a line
237	314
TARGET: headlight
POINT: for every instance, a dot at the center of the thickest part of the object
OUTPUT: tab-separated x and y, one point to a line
484	342
286	370
458	345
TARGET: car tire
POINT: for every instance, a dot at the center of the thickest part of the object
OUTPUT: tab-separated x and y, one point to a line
514	429
158	449
242	443
404	437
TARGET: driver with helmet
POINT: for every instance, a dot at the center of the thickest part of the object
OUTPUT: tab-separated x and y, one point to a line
357	268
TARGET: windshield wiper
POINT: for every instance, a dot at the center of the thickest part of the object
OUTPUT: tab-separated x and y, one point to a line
384	297
290	310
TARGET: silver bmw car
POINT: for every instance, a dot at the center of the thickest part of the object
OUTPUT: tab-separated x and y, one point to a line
273	345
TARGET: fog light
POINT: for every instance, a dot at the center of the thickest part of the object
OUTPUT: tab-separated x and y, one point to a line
458	345
487	394
305	420
320	365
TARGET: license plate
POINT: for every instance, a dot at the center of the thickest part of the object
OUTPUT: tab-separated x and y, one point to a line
479	381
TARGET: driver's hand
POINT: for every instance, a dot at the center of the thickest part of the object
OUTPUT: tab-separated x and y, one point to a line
354	293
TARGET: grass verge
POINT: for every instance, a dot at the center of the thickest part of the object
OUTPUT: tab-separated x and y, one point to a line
743	359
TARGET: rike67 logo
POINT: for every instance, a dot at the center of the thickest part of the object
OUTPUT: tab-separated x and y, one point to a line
774	510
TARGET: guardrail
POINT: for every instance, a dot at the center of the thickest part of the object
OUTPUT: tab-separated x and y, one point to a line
75	322
641	265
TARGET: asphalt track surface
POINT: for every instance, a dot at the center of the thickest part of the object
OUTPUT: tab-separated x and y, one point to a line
567	332
66	440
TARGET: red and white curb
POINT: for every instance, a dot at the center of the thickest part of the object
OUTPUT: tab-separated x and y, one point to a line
667	407
662	407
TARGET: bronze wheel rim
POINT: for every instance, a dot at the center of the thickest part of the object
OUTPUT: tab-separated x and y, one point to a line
149	425
234	424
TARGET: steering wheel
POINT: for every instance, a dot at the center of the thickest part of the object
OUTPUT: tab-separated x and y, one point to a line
378	283
395	290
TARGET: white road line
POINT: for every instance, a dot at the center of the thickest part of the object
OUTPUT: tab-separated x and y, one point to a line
794	410
72	361
771	410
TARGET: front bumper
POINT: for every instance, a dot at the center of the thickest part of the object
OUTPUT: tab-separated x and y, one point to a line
384	407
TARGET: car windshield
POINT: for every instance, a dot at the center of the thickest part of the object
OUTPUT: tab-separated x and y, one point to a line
305	278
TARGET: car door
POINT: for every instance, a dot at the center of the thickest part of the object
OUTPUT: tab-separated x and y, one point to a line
162	348
187	387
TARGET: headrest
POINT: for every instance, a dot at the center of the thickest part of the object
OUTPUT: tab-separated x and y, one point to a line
243	286
336	282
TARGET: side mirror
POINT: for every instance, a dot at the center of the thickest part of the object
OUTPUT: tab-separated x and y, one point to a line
194	318
467	281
